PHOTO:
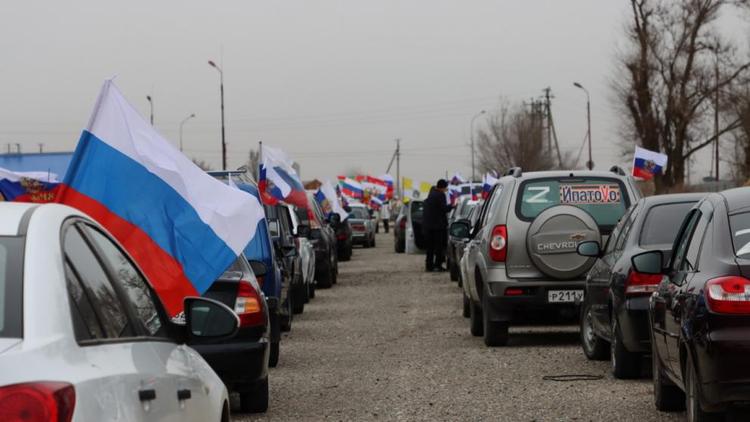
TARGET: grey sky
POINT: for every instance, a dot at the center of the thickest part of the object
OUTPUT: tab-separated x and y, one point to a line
331	82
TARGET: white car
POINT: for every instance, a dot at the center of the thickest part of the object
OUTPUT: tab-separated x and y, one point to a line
83	336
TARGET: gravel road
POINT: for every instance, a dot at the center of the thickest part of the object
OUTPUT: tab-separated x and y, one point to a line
388	343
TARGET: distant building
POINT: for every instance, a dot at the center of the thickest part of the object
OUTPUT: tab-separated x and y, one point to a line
52	162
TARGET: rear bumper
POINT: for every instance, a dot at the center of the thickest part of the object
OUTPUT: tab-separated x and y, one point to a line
721	359
503	308
632	318
240	364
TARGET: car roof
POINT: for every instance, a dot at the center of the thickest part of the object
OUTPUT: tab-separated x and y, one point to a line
567	173
12	213
737	199
673	197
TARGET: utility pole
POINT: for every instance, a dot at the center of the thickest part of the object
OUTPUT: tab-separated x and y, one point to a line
398	167
551	132
223	138
590	163
716	119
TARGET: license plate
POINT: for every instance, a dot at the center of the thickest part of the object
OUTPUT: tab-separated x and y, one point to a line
564	296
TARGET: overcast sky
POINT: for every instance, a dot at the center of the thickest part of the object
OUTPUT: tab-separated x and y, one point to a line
331	82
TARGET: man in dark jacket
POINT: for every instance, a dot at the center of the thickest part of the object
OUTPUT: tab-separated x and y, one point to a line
435	226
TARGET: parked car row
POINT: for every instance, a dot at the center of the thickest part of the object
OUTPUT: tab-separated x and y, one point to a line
663	278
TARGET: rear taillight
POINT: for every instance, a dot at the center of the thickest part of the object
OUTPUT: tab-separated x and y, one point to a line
639	283
37	402
729	295
499	243
249	306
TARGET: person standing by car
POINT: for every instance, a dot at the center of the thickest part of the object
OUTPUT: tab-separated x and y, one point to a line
385	215
435	226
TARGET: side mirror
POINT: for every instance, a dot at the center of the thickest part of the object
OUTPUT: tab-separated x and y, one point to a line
208	320
303	230
259	268
460	229
651	262
590	248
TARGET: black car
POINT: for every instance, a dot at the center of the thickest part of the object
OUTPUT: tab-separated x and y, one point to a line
456	246
399	229
344	236
614	315
700	313
242	361
285	251
323	238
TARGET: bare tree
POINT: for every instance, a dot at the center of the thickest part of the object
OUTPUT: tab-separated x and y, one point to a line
202	164
738	108
674	63
514	137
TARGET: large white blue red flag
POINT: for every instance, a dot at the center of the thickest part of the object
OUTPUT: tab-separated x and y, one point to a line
489	182
647	163
329	201
389	183
182	226
278	180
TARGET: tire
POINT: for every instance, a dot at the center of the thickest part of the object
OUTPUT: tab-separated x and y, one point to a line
454	271
300	297
594	347
495	333
325	279
255	400
273	355
476	324
311	290
693	406
667	396
398	246
625	364
373	242
467	307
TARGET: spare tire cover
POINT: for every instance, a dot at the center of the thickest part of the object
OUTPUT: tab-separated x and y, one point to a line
553	238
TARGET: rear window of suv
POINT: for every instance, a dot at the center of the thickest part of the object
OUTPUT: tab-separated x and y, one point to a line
11	289
605	199
740	225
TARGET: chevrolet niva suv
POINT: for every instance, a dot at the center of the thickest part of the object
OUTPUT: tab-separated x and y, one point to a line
521	261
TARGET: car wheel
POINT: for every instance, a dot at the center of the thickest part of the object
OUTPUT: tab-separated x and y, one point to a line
255	400
667	396
495	333
454	270
300	296
594	347
273	354
311	290
467	307
625	364
399	246
475	319
695	412
373	241
325	279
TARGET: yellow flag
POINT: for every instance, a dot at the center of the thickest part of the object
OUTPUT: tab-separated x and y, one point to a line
424	188
408	183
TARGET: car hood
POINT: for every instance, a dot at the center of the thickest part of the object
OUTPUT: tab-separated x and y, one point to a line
8	344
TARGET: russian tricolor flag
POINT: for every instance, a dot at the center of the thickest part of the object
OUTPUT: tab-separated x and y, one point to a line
278	180
487	184
351	188
182	226
647	163
33	186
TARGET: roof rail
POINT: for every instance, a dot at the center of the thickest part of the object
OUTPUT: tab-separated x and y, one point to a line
515	172
618	171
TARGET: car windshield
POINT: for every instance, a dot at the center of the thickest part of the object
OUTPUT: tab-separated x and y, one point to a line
740	224
605	199
11	262
662	223
359	213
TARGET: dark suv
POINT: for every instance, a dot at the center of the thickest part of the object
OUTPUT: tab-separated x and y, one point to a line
614	314
285	250
521	259
323	238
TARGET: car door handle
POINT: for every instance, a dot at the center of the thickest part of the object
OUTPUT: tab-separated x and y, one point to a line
184	394
147	395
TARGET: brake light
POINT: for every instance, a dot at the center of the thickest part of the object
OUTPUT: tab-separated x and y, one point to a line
729	295
499	243
513	292
249	306
37	402
640	283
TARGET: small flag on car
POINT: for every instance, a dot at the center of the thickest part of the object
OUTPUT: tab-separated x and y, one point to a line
647	163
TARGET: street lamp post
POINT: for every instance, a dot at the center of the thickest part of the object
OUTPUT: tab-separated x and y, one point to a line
182	123
590	163
223	138
471	137
151	103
